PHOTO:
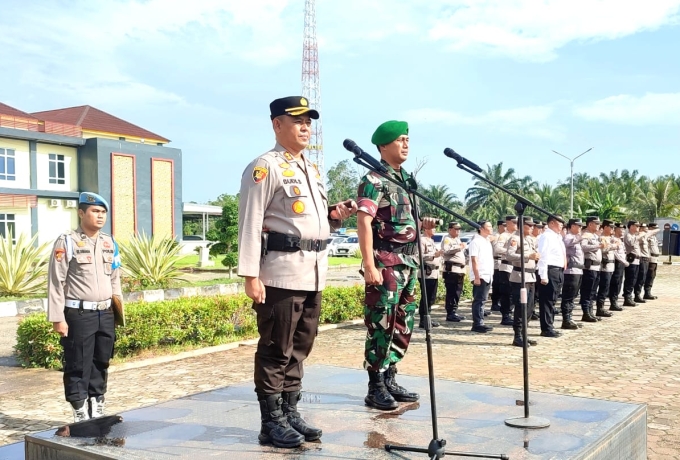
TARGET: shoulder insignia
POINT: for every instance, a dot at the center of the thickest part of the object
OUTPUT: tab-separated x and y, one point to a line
59	254
259	174
288	173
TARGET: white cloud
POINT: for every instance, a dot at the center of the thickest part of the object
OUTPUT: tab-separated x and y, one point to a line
535	29
532	121
650	109
521	29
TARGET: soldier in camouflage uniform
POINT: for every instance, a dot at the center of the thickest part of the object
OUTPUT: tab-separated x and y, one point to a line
387	239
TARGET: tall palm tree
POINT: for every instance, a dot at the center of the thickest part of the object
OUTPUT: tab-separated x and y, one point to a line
553	199
487	202
442	195
662	199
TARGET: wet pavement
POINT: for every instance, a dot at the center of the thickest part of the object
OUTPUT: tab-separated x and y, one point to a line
631	357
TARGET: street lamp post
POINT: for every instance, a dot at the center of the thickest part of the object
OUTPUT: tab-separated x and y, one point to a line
571	160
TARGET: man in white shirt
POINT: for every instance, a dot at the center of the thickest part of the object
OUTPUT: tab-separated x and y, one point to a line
551	265
481	272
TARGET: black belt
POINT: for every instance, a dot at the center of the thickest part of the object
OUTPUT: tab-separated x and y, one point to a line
505	262
555	267
449	265
607	261
526	270
496	258
645	259
290	243
408	249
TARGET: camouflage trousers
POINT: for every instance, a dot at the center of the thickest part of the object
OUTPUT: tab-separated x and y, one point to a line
389	310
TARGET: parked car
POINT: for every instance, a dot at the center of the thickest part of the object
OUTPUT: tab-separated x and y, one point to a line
347	247
332	244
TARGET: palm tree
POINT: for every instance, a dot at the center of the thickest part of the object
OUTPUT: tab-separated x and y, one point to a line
486	202
553	199
662	199
440	194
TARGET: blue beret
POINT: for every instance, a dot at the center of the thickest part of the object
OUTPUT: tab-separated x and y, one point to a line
389	131
93	198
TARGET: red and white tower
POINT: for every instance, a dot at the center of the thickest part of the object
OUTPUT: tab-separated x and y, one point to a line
311	88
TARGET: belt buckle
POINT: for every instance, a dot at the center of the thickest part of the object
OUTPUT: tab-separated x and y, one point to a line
316	245
102	306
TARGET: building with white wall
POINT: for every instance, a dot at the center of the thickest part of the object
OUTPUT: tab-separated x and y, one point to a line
48	158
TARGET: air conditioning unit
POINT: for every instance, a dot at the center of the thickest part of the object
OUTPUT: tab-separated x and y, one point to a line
71	204
55	203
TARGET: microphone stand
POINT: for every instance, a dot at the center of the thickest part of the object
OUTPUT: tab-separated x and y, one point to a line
527	421
435	449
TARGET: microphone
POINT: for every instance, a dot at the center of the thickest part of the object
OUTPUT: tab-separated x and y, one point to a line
452	154
359	153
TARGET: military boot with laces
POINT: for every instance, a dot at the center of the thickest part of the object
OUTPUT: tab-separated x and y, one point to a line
378	396
275	428
398	392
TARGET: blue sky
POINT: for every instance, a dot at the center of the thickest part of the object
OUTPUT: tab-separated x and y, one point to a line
504	80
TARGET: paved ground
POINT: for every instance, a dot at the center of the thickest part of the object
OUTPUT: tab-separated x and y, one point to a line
632	357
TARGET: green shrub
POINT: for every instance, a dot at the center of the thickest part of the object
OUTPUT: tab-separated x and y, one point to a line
192	321
37	343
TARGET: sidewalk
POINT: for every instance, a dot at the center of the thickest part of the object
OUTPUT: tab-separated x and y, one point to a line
631	357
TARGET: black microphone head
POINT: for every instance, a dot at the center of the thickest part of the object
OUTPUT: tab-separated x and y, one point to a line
450	153
349	144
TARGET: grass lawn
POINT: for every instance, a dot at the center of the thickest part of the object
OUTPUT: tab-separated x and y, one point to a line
190	261
343	261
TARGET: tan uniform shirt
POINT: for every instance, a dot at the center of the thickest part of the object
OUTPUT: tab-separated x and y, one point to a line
632	246
454	254
500	249
654	252
513	256
608	253
429	249
590	243
619	250
88	276
279	194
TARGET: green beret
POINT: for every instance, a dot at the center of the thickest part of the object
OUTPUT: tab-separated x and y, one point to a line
389	131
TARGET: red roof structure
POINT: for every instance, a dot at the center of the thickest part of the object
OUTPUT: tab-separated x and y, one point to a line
12	112
92	119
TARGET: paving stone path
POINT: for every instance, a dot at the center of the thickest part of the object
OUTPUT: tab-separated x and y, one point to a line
631	357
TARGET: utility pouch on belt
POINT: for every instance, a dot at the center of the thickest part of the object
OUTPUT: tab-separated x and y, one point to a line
263	248
428	269
587	264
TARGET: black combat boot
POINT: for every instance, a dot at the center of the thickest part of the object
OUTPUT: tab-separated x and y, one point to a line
614	305
275	427
628	302
378	396
639	299
601	311
588	316
517	340
649	296
289	406
496	307
398	392
567	322
507	320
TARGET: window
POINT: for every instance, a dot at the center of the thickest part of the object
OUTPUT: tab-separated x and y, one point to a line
7	226
7	171
57	169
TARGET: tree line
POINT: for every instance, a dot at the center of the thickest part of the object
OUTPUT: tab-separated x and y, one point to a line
618	195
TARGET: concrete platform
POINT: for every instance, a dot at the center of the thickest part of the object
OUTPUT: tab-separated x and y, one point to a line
224	424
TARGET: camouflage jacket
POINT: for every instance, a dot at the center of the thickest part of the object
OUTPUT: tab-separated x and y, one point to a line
390	207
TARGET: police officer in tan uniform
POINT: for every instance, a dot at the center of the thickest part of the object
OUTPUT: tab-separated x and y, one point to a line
530	259
654	254
631	242
284	221
592	247
432	260
453	252
500	249
495	288
83	276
